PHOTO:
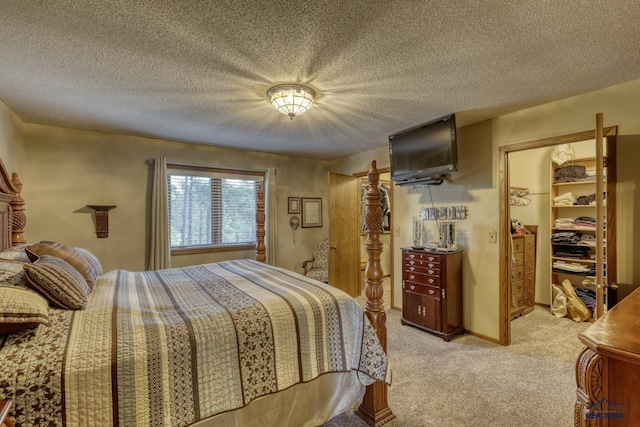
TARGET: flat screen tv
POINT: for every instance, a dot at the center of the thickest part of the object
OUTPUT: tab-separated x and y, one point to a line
424	153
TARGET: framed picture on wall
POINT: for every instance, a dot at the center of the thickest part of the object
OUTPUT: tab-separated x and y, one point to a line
311	212
294	205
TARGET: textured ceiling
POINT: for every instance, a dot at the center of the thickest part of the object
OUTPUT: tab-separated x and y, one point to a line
198	71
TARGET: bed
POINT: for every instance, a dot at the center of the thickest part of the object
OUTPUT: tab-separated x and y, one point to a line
232	343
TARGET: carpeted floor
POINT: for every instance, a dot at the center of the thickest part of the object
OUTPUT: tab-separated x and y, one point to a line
472	382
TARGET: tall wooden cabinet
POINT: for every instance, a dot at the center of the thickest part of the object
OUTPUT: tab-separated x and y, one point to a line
432	291
523	282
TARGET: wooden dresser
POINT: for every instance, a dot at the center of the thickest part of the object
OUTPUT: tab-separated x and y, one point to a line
432	291
608	369
523	285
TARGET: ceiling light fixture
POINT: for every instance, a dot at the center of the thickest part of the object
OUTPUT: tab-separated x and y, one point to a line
291	99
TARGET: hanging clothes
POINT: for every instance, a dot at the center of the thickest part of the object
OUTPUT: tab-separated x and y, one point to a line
385	200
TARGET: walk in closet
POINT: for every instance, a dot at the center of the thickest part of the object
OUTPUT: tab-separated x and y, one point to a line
553	196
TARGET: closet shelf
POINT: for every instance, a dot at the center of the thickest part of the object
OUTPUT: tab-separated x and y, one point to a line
574	229
574	260
569	184
575	206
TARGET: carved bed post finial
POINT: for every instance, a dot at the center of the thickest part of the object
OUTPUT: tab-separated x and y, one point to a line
374	409
261	248
19	218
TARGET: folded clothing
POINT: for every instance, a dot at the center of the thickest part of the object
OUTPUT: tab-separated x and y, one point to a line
587	296
570	174
565	199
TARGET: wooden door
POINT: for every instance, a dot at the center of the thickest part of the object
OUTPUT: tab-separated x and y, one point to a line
344	261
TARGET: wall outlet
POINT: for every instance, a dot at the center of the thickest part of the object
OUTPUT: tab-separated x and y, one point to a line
493	236
396	231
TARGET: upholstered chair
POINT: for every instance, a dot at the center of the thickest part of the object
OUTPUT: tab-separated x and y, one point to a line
318	267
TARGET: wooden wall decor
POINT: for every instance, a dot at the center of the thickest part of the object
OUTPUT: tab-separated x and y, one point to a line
102	219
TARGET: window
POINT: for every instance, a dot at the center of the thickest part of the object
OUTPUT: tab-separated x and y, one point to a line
212	208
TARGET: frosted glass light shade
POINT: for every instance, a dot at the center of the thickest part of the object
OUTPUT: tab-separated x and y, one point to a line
291	99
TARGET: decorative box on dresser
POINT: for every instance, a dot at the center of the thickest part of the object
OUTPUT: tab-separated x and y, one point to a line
432	291
523	284
608	369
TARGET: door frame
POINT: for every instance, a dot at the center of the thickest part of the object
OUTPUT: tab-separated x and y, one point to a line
504	250
381	171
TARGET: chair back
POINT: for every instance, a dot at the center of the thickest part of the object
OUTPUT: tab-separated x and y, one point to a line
320	254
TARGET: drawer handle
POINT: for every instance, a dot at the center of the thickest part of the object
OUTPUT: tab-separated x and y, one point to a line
431	280
443	294
430	271
412	277
411	268
424	311
412	287
411	262
431	291
431	258
418	310
412	256
430	265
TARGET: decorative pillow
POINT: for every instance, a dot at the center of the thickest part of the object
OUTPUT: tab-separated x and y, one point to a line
66	253
12	273
96	266
15	253
20	309
57	281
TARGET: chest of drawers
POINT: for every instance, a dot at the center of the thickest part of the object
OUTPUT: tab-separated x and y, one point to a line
523	282
432	291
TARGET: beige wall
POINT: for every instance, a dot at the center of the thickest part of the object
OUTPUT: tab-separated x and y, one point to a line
11	140
69	169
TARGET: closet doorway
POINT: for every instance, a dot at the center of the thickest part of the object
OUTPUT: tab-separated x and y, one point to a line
386	237
544	227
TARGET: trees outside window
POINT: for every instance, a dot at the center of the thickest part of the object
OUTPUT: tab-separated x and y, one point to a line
212	207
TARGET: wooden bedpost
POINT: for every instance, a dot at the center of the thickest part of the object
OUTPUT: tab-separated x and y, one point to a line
19	217
261	248
374	409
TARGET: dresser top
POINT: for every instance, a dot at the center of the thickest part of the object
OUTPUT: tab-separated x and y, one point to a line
617	333
432	251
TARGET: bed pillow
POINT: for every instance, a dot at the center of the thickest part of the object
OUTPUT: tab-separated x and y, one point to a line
15	253
93	261
12	273
21	308
57	281
67	253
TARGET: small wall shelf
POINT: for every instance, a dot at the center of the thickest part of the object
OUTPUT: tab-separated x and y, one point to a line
102	219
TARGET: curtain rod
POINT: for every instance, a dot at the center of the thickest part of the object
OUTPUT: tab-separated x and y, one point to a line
151	161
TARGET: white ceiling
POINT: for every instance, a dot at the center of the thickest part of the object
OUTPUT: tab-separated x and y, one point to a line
198	71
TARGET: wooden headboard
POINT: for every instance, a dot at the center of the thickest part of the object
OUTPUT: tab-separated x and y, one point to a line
12	217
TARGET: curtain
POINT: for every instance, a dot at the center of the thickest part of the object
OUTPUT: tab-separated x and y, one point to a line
159	248
272	218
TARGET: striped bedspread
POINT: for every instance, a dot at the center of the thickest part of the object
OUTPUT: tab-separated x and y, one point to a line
171	347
